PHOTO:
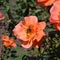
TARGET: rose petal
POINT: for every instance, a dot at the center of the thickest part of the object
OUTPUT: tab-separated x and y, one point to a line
31	20
41	25
57	26
26	44
39	35
37	44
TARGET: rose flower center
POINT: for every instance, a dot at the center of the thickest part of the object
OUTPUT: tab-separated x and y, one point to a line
28	30
29	33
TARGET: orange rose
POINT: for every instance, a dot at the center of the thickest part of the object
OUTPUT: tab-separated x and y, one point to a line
45	2
29	30
1	16
8	42
55	15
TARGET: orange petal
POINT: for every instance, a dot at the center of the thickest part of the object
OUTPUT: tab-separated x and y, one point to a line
41	25
30	20
39	35
56	4
26	44
54	11
45	2
37	44
49	2
12	43
41	0
6	44
5	38
20	31
55	15
53	21
57	26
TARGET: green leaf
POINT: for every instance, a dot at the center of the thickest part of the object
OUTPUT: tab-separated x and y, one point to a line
7	8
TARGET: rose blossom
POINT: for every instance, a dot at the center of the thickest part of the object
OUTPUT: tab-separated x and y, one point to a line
55	15
30	31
